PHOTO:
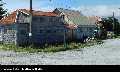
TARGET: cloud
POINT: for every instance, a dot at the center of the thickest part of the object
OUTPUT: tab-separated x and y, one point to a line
47	8
46	5
99	10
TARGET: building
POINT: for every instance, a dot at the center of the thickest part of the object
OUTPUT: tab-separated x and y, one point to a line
79	26
47	27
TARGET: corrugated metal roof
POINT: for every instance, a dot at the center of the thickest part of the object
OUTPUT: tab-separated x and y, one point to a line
75	17
70	12
81	20
74	22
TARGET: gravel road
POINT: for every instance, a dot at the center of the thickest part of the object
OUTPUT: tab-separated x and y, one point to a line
107	53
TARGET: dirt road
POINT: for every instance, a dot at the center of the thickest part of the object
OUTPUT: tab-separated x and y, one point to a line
106	53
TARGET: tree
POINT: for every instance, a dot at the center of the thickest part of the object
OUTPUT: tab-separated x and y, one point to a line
111	24
2	10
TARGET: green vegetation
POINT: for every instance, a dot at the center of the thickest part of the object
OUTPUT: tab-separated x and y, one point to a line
3	11
110	24
117	36
49	48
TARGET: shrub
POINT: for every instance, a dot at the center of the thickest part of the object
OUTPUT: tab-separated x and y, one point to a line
49	48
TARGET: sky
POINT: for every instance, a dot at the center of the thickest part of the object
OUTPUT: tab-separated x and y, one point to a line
87	7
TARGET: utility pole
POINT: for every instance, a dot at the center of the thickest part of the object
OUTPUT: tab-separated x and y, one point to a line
65	44
30	25
64	34
113	23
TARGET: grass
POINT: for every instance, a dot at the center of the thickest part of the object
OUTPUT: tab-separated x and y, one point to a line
117	36
49	48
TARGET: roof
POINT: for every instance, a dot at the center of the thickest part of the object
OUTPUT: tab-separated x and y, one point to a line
69	12
11	18
74	22
75	17
44	14
81	20
38	13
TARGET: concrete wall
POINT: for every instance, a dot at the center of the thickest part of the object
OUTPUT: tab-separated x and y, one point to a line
47	29
84	31
22	26
22	18
1	33
22	33
8	34
80	33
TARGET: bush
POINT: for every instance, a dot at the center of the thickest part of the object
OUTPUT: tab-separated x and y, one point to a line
48	48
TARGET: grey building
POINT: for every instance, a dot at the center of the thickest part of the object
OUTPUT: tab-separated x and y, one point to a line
47	27
79	26
14	28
